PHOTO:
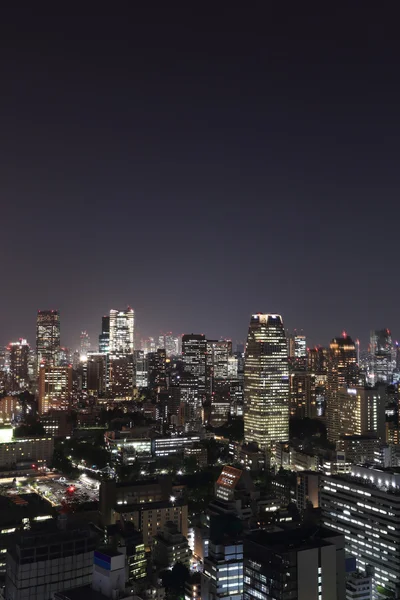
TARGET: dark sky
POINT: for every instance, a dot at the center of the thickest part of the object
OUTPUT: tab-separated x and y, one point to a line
201	164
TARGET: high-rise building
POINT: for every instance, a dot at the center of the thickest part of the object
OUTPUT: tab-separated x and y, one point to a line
140	369
383	356
365	507
193	381
297	346
122	323
65	357
48	338
84	345
104	337
194	351
217	360
55	387
121	374
359	411
302	394
317	360
96	373
19	364
266	382
170	343
156	370
342	373
303	563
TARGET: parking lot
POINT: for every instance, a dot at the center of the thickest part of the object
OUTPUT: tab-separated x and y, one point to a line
56	488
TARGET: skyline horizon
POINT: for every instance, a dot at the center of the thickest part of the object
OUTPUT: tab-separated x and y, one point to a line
74	339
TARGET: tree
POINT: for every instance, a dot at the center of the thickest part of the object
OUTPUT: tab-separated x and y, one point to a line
174	581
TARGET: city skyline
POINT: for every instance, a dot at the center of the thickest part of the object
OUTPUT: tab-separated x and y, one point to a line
250	151
95	329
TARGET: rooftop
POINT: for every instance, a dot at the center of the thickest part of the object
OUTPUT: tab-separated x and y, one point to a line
287	539
14	508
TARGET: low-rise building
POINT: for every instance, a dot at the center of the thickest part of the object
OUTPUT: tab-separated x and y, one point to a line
170	547
37	450
47	559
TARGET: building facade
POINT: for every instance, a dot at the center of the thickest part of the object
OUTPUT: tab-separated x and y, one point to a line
122	328
48	338
365	508
266	382
55	387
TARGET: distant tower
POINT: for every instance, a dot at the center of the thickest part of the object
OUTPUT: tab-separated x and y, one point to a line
48	338
85	345
383	356
266	382
122	323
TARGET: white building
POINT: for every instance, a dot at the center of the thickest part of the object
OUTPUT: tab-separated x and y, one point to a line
365	507
122	327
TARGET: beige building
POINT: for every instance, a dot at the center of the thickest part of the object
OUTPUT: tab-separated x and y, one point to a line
55	387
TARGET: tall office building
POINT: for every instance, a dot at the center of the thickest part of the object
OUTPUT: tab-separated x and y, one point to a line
19	364
120	376
194	351
104	337
317	360
297	345
302	394
156	370
342	373
218	353
359	411
170	343
84	345
140	369
48	338
266	382
383	356
96	373
122	323
55	387
365	507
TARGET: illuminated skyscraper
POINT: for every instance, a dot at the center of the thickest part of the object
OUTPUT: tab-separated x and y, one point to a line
297	345
194	349
48	338
383	356
85	345
55	387
342	373
140	369
19	363
218	353
193	381
170	343
266	382
104	337
122	324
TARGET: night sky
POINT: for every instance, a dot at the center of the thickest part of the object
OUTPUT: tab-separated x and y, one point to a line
202	164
